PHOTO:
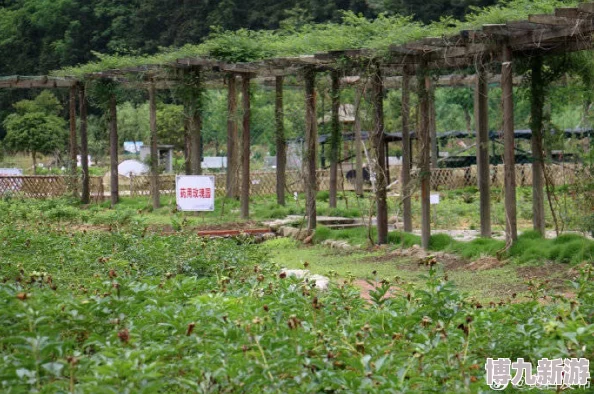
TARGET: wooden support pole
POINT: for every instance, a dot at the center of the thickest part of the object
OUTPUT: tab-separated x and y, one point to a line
358	144
387	156
154	150
72	139
406	157
84	146
507	97
334	138
481	115
196	124
113	150
281	143
311	139
537	94
245	156
232	180
379	161
425	149
187	144
432	123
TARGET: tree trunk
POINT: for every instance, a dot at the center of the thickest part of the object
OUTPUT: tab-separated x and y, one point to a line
406	157
379	161
511	228
281	144
334	138
113	150
154	150
311	137
537	96
245	167
84	147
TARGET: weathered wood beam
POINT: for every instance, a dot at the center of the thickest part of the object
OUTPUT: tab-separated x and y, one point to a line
406	159
72	142
379	162
233	154
113	150
537	99
358	142
511	232
154	151
335	138
481	111
553	20
309	158
573	13
281	143
84	146
424	149
586	7
245	156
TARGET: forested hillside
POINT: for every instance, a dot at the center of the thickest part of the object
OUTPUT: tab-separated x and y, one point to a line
38	36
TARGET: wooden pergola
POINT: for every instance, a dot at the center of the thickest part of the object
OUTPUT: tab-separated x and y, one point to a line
567	30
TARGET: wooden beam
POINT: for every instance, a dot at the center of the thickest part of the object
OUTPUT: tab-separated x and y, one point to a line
196	121
72	139
481	111
233	154
309	158
537	101
432	122
245	167
358	142
553	20
406	159
154	151
335	138
379	162
84	146
113	150
281	143
425	149
511	232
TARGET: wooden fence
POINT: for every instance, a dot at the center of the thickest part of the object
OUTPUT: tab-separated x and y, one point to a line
264	182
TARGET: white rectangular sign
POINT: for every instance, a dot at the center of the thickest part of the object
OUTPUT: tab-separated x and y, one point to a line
195	192
434	199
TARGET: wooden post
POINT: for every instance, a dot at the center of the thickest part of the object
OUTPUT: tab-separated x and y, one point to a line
358	144
379	161
406	157
281	143
113	150
84	146
424	150
334	138
387	156
245	156
432	123
481	115
311	139
187	144
537	94
196	125
511	229
154	151
232	139
72	139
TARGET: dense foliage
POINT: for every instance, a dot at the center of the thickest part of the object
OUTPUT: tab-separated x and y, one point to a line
131	311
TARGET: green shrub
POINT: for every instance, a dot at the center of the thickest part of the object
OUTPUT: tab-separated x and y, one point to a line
440	242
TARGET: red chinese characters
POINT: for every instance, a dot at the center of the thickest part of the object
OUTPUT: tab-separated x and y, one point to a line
193	192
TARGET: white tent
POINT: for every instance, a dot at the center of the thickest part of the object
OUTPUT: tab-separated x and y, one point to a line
132	167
